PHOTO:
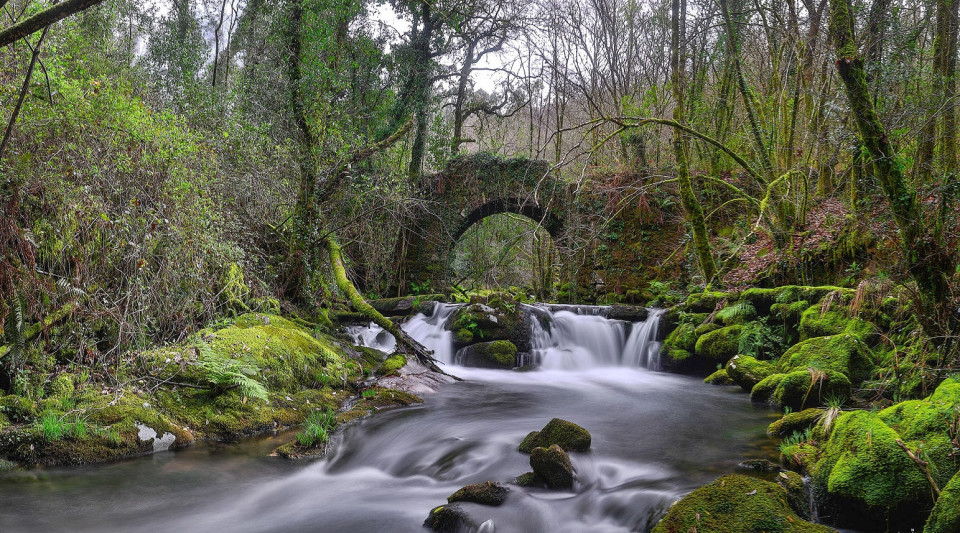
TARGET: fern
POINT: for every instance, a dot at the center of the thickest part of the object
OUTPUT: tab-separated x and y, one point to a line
16	334
224	373
760	340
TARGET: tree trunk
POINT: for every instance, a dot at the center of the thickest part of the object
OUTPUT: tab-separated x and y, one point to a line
691	205
928	261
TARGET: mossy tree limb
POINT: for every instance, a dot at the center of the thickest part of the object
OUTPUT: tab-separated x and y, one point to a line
360	304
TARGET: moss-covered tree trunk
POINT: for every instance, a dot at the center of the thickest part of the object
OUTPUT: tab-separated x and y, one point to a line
360	304
691	205
928	261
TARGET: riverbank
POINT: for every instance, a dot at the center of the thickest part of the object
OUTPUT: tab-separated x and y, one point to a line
250	375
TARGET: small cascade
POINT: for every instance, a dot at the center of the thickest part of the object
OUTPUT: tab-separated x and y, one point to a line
428	330
580	337
643	346
562	337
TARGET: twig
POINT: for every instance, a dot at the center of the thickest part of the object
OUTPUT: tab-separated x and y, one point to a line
923	468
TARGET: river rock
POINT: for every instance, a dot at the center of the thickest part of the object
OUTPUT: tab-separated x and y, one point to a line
630	313
488	493
569	436
448	519
496	354
553	466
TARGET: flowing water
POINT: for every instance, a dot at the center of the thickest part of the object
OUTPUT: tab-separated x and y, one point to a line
656	437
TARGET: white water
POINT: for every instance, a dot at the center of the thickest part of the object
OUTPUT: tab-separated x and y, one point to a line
573	338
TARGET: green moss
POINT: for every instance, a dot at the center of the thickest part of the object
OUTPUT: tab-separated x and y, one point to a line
703	329
392	365
760	298
747	371
798	389
719	377
495	354
814	324
720	345
842	353
763	392
61	386
945	517
705	302
795	421
797	495
861	461
681	338
916	419
529	479
488	493
567	435
674	358
735	504
553	466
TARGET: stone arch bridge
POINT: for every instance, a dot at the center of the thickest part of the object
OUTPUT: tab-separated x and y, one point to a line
468	190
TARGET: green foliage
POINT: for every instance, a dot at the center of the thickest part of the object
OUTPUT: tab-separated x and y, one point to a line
51	426
317	428
224	373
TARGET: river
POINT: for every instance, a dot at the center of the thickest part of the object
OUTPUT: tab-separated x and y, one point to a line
656	436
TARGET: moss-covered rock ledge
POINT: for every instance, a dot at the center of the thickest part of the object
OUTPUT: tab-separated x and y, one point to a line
246	376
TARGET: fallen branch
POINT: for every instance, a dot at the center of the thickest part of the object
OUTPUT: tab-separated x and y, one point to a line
923	468
424	355
43	19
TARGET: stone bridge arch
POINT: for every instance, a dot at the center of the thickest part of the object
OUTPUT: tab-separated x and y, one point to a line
469	189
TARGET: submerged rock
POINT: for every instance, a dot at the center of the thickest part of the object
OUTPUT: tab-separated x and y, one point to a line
569	436
736	504
448	519
488	493
553	466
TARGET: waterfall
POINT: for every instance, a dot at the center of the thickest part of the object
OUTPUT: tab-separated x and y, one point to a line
562	337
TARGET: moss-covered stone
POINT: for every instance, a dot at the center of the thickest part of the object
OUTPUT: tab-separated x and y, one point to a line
720	345
862	462
488	493
763	392
719	377
567	435
795	421
705	302
736	504
703	329
495	354
801	389
392	365
553	466
813	323
746	371
529	479
945	517
498	319
681	338
843	353
797	495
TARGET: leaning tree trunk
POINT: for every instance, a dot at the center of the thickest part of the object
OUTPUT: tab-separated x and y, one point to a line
422	354
927	259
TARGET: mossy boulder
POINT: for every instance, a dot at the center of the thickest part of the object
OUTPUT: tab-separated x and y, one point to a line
794	421
682	337
814	323
705	302
797	495
703	329
494	354
801	389
720	345
865	475
843	353
629	313
736	504
567	435
553	466
719	377
747	371
763	392
529	479
488	493
945	517
392	365
498	317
